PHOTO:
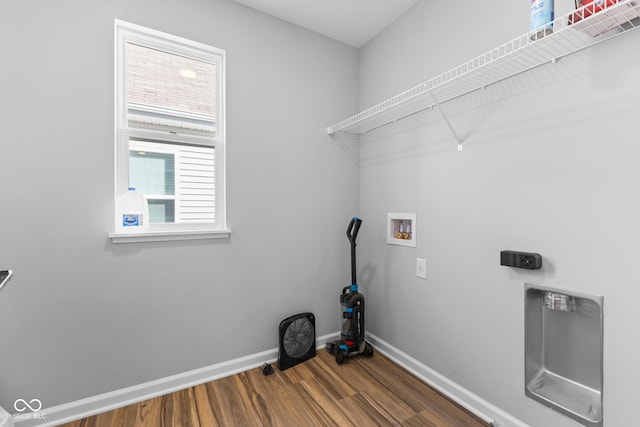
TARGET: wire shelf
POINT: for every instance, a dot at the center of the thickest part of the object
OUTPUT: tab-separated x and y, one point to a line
568	34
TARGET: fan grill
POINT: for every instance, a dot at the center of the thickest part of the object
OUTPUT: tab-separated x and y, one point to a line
298	337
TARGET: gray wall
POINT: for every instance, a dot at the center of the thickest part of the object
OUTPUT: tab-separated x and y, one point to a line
83	316
549	165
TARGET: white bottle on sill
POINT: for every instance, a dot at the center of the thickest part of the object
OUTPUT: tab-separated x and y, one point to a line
132	212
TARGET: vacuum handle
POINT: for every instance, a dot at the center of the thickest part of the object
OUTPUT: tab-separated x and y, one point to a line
352	233
352	230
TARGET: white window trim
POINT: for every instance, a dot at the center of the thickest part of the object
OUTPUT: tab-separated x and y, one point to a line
127	32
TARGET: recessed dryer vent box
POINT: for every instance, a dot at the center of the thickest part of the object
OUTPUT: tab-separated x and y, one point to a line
563	352
401	229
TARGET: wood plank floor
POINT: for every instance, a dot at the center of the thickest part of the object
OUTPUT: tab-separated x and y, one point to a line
319	392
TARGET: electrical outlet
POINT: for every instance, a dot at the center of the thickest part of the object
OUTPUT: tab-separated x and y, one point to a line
421	268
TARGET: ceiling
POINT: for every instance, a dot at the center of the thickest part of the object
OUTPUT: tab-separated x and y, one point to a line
353	22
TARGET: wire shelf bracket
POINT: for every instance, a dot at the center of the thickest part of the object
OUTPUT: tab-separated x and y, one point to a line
446	120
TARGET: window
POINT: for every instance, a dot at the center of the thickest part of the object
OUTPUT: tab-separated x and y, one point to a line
170	132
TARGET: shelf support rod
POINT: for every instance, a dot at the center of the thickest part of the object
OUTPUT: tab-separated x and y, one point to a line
446	120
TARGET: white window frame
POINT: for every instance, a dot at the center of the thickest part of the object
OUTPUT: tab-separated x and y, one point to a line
124	33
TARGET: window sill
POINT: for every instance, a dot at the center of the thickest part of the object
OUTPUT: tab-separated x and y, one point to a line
168	236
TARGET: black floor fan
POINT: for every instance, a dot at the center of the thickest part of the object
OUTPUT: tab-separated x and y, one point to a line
297	340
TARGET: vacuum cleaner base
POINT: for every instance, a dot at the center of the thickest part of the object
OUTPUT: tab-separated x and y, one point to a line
342	349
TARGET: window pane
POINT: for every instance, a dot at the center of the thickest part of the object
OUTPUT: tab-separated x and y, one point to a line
170	90
161	211
178	179
152	173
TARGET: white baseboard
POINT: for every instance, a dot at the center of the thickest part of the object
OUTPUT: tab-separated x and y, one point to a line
470	401
56	415
53	416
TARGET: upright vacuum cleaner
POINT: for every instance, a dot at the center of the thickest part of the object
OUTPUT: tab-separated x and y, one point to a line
351	342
